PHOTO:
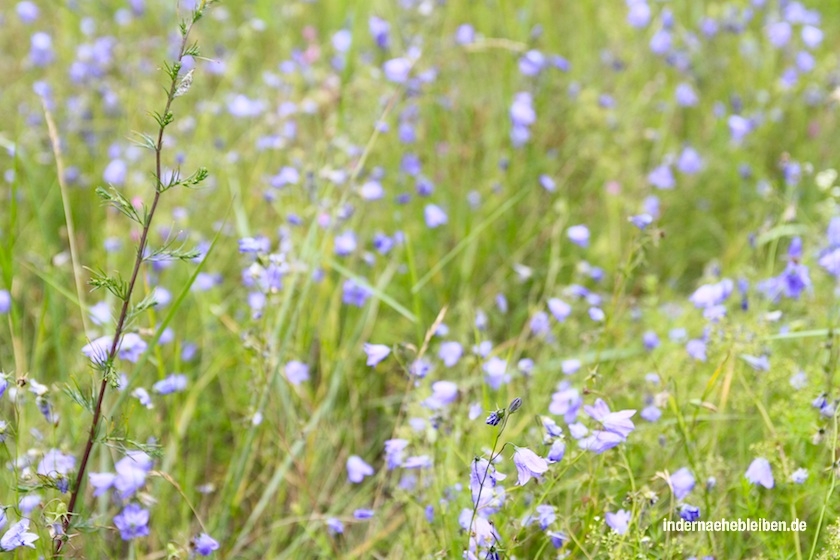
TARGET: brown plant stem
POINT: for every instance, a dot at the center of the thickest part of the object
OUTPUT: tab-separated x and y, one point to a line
76	491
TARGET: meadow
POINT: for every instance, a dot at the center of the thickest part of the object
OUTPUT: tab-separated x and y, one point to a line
419	279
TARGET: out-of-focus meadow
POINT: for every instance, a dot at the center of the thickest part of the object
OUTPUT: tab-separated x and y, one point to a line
624	214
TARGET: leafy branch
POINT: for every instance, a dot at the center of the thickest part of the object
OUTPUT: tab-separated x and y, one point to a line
120	288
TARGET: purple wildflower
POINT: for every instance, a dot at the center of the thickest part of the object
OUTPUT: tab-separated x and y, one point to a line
394	452
296	372
357	469
443	393
465	34
132	522
495	370
616	422
528	465
376	353
557	451
335	526
600	441
651	413
354	294
204	544
638	13
682	483
696	348
661	178
618	521
759	472
559	309
579	235
799	476
739	127
397	70
27	11
380	30
685	95
434	216
55	463
18	535
689	161
689	512
173	383
779	33
532	63
450	353
363	513
641	221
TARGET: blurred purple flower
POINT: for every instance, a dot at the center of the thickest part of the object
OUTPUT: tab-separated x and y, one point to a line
244	107
661	178
682	483
397	70
539	324
579	235
115	172
357	469
560	310
739	127
566	402
173	383
618	521
56	463
296	372
651	413
434	216
660	43
394	452
443	393
641	221
341	40
548	183
204	544
812	36
132	522
376	353
685	95
27	11
759	472
557	451
380	30
696	348
354	294
689	512
345	243
779	33
450	353
689	161
532	63
335	526
638	13
363	513
495	370
40	49
465	34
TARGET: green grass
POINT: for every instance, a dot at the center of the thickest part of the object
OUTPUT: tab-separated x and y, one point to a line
274	483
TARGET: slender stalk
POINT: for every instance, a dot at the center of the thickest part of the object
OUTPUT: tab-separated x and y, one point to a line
61	539
493	456
55	142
